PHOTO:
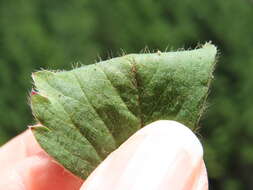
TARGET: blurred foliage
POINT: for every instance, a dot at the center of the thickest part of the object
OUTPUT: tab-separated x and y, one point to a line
56	34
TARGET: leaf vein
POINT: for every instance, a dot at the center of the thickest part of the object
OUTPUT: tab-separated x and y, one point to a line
82	89
73	123
116	90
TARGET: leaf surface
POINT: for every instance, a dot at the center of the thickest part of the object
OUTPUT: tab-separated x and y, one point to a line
86	113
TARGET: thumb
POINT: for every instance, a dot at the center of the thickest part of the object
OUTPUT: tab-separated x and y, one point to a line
163	155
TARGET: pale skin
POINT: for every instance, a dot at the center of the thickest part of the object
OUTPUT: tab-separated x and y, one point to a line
164	155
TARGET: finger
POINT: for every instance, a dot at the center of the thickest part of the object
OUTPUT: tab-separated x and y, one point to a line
162	155
201	182
38	172
24	165
20	147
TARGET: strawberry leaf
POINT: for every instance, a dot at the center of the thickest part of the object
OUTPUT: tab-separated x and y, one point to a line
86	113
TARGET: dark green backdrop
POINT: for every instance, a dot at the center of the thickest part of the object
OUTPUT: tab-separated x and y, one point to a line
57	34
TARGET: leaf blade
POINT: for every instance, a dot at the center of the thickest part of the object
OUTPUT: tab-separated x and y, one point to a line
99	106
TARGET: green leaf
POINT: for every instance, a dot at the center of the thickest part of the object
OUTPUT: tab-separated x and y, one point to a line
86	113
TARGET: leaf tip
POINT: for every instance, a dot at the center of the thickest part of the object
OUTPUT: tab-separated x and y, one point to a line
36	126
211	47
33	92
41	74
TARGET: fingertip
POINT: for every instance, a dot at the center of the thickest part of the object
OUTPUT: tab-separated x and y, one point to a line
25	165
45	173
18	148
32	146
177	134
162	155
39	172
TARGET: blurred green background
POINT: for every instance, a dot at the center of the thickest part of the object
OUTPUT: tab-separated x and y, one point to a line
56	34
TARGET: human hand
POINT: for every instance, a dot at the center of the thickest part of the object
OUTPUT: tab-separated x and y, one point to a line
163	155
